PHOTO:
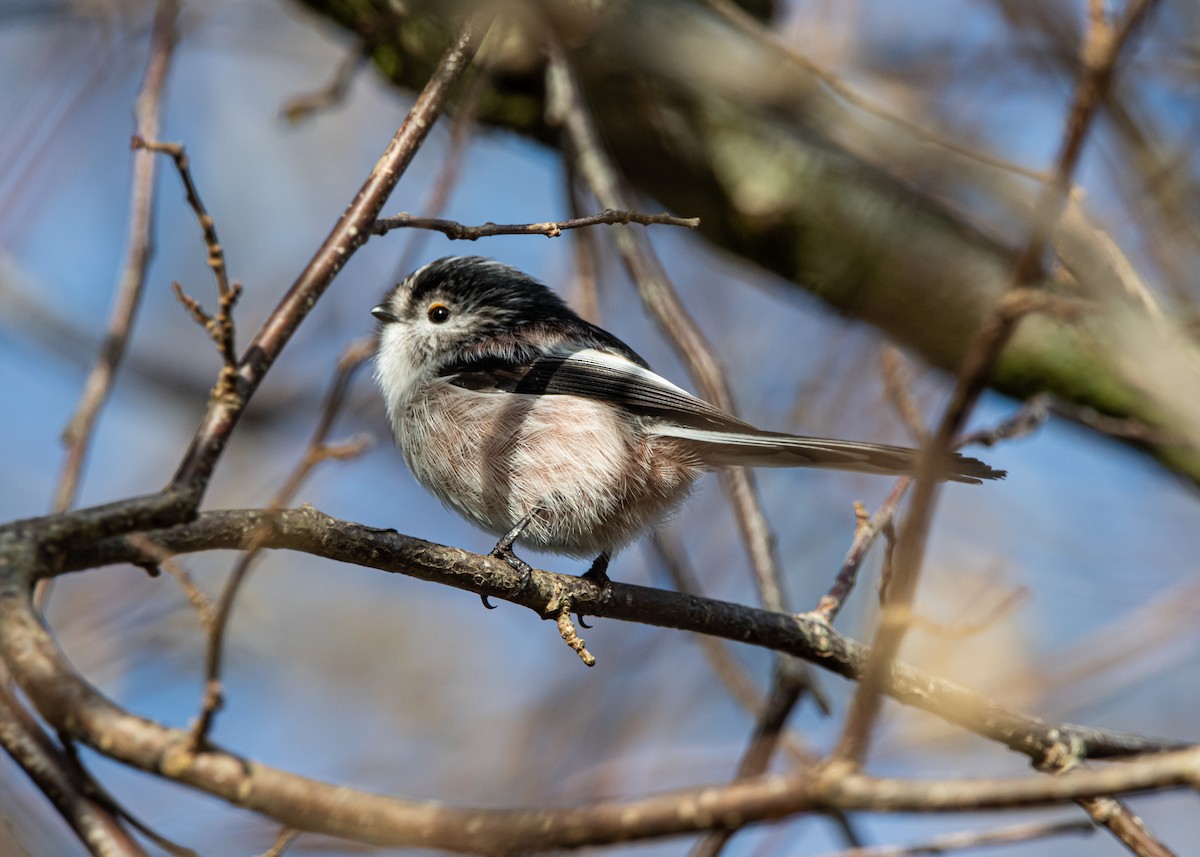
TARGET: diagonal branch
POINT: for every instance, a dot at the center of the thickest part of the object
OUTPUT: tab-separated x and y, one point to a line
350	232
566	102
52	770
99	382
1101	51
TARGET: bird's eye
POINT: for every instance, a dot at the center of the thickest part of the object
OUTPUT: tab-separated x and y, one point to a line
439	313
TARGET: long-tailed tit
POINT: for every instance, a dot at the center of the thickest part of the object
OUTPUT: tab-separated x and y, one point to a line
534	424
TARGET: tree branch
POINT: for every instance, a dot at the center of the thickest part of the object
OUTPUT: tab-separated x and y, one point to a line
350	232
551	229
311	531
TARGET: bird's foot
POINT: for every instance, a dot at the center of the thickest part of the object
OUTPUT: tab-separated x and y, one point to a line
504	550
597	575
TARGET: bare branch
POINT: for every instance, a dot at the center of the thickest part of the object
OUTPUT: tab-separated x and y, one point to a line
1101	51
62	782
99	382
351	232
219	327
318	450
308	530
972	839
567	105
301	107
551	229
74	705
787	686
285	838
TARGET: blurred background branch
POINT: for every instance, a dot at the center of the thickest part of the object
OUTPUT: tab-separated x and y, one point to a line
705	111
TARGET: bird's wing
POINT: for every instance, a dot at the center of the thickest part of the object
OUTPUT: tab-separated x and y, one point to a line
715	437
595	374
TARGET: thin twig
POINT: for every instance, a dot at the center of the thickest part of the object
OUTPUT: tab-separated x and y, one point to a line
96	388
749	25
1028	418
787	686
948	842
61	781
318	450
349	233
196	597
219	327
453	159
567	105
178	155
897	384
551	229
728	670
283	839
864	536
301	107
963	629
1101	50
741	687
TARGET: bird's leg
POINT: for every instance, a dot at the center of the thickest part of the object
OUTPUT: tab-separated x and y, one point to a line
598	576
504	550
598	573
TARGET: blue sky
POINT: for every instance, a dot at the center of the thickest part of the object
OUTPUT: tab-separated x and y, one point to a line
400	686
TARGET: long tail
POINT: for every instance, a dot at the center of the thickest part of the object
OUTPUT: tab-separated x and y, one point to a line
771	449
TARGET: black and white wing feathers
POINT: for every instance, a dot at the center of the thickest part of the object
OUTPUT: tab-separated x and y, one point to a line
715	437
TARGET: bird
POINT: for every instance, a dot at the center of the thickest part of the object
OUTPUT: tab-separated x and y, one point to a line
540	427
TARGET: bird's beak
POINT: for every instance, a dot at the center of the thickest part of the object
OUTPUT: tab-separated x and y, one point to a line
384	314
